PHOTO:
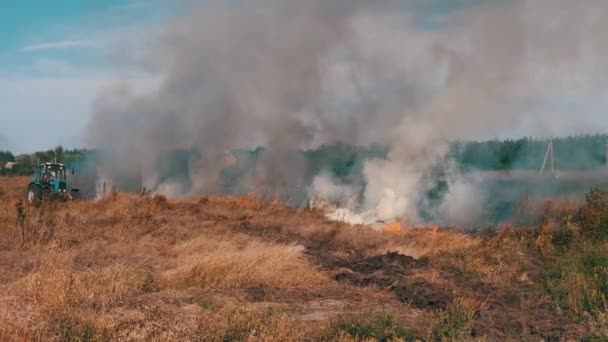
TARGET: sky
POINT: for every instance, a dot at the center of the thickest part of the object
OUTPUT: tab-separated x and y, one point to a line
55	56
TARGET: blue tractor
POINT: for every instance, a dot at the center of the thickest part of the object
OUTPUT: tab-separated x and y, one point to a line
50	181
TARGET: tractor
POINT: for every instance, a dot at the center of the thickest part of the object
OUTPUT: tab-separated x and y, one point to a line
50	182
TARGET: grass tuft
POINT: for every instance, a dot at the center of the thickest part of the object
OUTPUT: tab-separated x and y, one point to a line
455	322
378	326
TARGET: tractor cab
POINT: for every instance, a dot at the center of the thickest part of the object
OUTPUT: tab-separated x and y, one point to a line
54	174
49	181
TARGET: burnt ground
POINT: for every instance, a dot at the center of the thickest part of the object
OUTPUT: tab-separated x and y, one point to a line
391	271
513	307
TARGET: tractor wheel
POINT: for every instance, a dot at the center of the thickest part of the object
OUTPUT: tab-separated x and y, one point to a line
75	195
46	194
34	194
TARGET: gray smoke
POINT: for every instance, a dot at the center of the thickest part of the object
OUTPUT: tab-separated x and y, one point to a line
290	74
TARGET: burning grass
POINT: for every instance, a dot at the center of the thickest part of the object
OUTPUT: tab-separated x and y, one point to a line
218	268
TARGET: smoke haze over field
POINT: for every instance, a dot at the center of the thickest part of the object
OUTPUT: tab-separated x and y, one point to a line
290	74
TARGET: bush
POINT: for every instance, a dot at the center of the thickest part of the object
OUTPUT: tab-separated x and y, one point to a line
593	216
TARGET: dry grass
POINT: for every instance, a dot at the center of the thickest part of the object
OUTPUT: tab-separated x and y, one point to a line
210	264
139	268
142	268
432	241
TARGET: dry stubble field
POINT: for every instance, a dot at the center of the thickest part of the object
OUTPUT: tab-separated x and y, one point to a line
145	268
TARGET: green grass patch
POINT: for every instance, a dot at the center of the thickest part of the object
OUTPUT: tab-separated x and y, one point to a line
378	326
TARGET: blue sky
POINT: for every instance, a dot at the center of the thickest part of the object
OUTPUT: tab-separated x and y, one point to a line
56	55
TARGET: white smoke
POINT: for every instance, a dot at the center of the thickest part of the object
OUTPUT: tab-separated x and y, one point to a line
291	74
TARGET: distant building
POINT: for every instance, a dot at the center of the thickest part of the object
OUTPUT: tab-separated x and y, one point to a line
10	165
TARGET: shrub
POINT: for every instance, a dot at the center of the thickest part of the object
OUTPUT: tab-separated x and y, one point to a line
593	216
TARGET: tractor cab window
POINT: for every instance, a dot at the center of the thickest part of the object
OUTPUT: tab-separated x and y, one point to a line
56	172
47	173
61	174
40	171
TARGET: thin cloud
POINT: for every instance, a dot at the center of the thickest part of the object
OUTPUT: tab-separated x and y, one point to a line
65	44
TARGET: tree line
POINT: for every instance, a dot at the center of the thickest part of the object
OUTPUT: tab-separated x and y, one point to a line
574	153
24	164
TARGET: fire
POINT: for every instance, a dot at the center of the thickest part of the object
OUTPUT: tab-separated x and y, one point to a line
394	227
403	227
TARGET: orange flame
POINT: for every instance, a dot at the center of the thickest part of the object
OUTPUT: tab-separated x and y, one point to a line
394	227
403	227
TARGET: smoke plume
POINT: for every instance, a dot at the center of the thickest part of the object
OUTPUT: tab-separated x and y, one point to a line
291	75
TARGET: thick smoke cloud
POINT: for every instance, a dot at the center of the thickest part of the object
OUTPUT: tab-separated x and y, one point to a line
290	74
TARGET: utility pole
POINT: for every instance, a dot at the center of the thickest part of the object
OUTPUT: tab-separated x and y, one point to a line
550	155
606	155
